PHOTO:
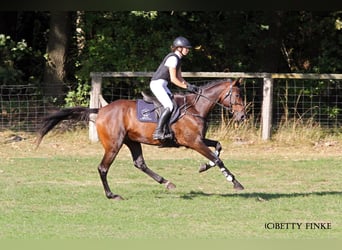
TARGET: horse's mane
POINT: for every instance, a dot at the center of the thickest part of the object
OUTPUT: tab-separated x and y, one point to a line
214	83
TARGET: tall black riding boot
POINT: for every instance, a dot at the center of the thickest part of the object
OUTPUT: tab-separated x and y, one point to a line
164	118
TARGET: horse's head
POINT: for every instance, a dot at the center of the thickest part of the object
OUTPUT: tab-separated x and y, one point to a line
232	98
226	93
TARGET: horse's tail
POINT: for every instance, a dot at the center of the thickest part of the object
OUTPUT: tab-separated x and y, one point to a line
76	113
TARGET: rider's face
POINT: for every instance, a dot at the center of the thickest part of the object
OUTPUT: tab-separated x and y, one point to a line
185	51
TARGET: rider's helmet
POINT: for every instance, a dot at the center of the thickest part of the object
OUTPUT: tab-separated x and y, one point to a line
181	42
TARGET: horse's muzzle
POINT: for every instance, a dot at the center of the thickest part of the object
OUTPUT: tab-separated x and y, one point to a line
239	116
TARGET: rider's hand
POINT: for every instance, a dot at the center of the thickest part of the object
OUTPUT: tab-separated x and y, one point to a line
192	88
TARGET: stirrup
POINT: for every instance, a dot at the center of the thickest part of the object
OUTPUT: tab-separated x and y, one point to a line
167	136
158	135
162	136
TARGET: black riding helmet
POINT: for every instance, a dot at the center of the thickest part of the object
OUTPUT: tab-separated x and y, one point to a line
181	42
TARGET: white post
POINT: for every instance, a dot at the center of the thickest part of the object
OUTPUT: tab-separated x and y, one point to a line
267	108
95	93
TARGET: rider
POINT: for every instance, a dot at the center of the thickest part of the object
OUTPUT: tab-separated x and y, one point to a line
169	71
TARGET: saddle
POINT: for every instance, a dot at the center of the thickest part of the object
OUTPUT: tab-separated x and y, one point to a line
149	110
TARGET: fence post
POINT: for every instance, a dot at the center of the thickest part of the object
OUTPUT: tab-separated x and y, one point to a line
267	107
95	93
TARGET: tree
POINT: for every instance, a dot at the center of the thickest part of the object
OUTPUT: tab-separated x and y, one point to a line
57	48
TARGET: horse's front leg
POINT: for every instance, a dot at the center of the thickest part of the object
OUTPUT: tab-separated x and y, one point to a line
229	176
201	147
218	148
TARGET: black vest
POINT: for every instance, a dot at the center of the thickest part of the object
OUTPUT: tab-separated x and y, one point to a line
163	72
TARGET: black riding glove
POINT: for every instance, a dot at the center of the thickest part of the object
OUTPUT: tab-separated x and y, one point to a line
192	88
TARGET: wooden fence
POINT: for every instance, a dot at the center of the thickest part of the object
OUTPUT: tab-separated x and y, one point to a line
97	101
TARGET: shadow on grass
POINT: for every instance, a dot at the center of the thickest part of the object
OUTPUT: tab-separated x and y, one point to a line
258	195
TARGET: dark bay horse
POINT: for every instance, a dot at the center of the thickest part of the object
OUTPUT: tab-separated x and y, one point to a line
117	124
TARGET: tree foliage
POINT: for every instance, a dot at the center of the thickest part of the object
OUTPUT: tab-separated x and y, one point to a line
245	41
13	69
299	41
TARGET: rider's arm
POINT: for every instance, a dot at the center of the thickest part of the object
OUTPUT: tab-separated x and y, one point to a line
176	78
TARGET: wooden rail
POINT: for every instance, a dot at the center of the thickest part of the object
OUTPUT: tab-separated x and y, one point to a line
223	75
96	99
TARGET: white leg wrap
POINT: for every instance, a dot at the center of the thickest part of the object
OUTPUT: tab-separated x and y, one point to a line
212	163
225	173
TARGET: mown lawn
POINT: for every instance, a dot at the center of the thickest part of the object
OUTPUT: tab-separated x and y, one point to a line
55	192
61	197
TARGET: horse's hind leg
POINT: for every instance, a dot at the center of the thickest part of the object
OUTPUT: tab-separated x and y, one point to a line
103	168
139	162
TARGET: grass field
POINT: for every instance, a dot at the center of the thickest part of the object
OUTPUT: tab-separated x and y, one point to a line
55	192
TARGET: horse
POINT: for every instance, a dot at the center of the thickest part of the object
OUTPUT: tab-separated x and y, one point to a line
117	125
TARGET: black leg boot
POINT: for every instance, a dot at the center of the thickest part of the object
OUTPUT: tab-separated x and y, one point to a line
164	118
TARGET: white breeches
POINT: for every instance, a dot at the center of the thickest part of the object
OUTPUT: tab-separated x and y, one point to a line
162	92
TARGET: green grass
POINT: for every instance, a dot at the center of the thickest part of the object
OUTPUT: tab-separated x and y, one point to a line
61	197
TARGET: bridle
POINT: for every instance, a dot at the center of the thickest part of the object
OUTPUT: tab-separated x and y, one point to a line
227	95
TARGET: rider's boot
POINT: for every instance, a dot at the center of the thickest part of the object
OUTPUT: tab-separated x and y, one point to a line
159	133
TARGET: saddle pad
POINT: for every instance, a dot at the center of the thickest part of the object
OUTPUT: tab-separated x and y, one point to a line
145	111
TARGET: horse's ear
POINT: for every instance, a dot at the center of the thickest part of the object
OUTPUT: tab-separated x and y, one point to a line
238	82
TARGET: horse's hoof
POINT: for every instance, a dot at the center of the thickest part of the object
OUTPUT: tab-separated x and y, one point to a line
202	168
118	198
169	185
205	167
237	185
115	197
